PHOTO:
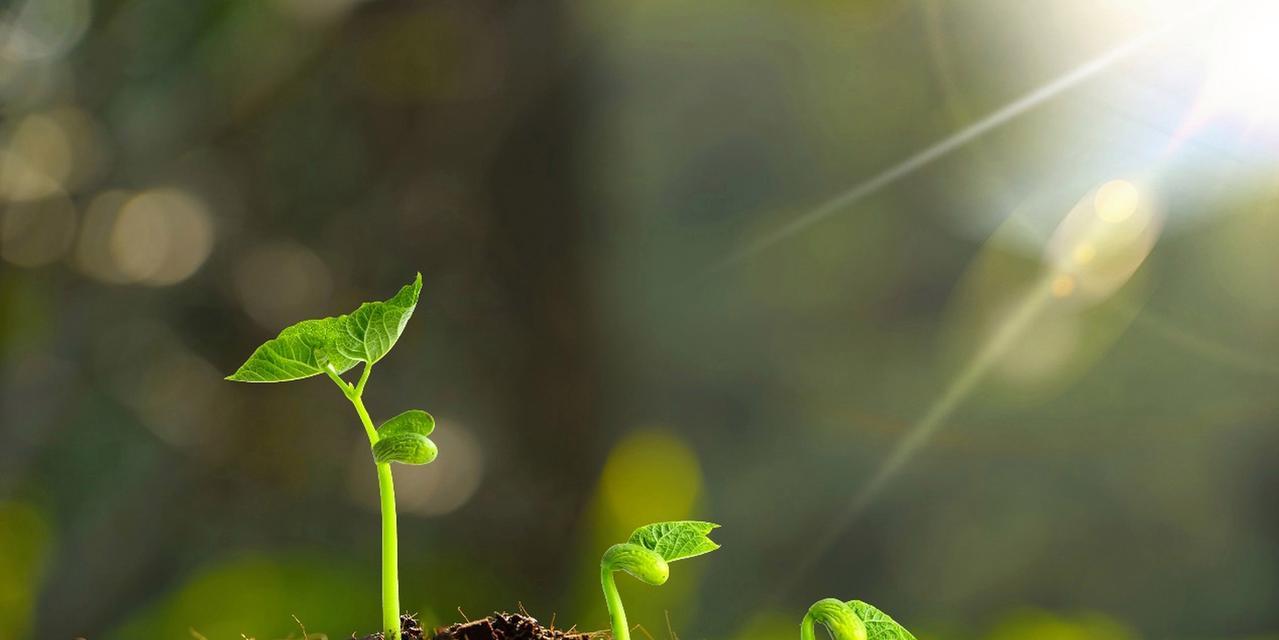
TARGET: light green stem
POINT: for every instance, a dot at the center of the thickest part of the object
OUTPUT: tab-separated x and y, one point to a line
386	488
645	564
390	555
616	614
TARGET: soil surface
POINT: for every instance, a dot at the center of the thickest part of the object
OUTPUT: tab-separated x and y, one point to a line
409	630
499	626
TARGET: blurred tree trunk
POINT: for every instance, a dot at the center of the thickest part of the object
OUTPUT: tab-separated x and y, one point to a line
541	233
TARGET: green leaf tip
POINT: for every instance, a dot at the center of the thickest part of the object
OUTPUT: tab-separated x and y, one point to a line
878	625
404	439
311	347
676	540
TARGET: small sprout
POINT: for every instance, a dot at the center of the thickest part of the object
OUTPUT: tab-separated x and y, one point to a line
852	620
333	346
838	617
647	556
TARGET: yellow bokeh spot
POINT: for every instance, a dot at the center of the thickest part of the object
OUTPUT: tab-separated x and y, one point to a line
1045	626
650	476
1063	286
1084	254
1116	200
769	625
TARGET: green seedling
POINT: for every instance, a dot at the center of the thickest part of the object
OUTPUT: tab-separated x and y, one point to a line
332	347
647	556
852	620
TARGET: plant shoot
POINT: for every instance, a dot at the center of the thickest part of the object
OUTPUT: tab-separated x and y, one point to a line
647	556
852	620
334	346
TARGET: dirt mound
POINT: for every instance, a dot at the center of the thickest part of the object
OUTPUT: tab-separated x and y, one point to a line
499	626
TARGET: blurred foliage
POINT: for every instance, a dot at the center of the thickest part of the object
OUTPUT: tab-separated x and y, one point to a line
242	594
26	541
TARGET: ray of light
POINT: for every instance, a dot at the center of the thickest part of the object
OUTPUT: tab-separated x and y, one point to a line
1209	348
921	431
956	140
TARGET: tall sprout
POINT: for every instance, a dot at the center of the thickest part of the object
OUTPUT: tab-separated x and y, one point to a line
332	347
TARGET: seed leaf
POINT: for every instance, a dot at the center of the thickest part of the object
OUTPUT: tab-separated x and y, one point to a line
404	439
878	625
308	347
415	421
676	540
408	448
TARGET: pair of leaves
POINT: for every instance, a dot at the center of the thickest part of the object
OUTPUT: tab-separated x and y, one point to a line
676	540
878	625
311	346
404	439
650	549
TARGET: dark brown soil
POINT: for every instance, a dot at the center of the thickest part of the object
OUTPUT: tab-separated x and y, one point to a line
499	626
409	630
505	626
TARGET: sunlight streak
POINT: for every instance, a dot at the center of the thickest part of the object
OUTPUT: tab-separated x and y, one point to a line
962	386
955	141
1095	250
1213	350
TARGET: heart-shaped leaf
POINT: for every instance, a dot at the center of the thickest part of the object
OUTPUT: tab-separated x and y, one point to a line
309	347
878	625
404	439
676	540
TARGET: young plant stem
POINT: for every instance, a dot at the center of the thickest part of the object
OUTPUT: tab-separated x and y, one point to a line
645	564
390	555
616	614
386	489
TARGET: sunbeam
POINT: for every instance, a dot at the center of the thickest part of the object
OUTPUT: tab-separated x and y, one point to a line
960	138
1095	250
960	387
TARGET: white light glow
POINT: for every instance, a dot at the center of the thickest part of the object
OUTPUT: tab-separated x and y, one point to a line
1240	49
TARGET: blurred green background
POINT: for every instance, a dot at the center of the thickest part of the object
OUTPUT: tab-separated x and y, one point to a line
1027	389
